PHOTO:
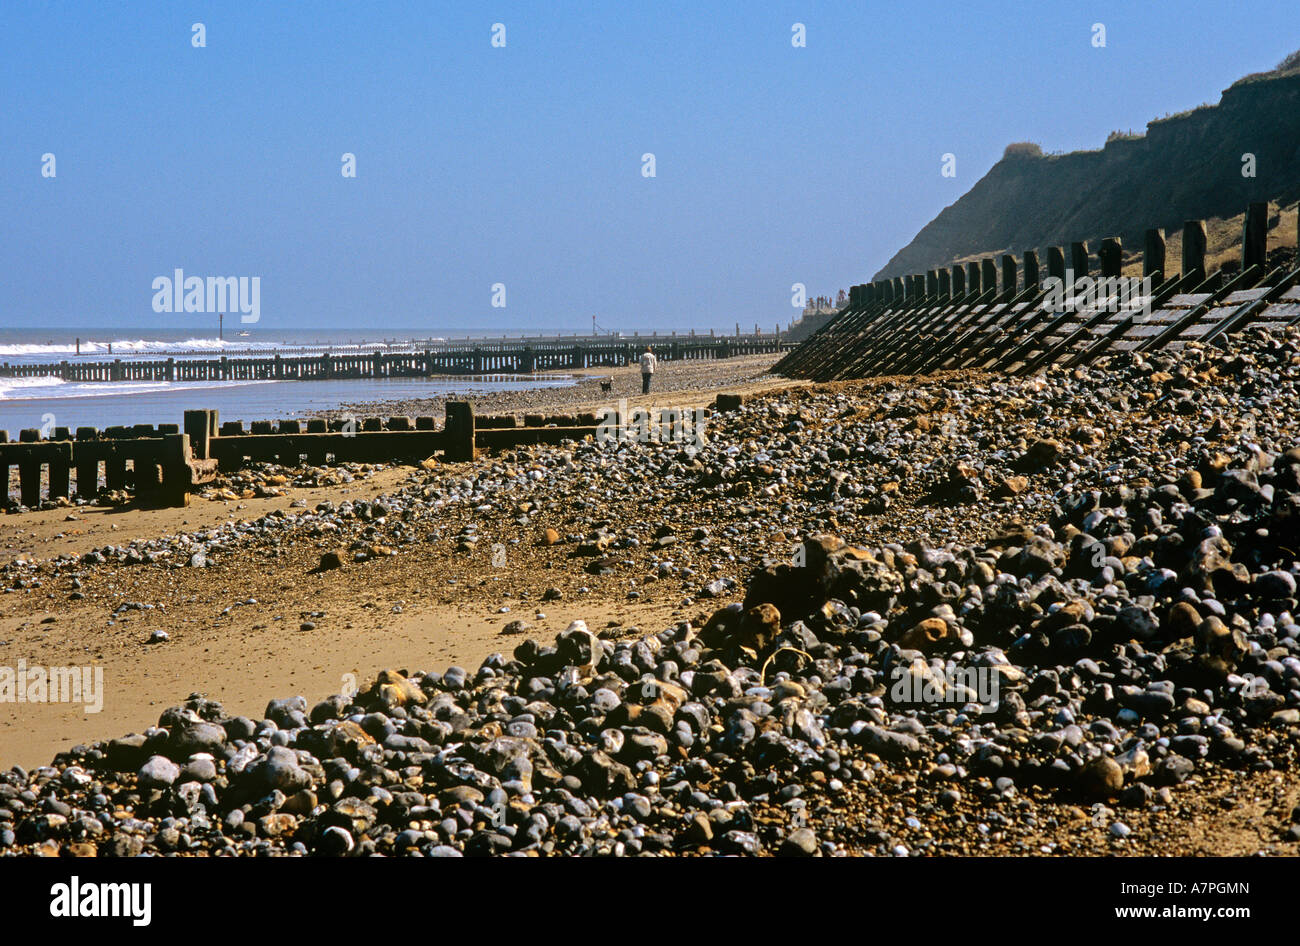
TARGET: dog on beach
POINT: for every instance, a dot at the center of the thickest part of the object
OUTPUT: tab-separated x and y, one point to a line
606	385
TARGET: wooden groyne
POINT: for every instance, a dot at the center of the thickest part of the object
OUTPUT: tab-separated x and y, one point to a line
163	464
962	318
157	462
517	356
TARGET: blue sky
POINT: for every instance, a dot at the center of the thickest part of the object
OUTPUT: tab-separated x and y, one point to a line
522	165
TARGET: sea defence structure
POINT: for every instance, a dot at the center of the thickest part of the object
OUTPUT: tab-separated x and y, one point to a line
164	464
1000	315
158	462
507	356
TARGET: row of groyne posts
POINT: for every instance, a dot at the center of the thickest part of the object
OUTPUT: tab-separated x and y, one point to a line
452	358
961	318
163	464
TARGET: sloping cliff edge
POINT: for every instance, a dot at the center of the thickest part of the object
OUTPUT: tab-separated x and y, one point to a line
1185	167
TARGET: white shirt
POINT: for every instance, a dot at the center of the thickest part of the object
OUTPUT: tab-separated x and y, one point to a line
648	362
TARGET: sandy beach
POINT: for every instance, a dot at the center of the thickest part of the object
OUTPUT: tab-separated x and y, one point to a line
426	606
443	565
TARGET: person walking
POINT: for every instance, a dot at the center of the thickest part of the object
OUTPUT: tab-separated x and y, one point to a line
648	362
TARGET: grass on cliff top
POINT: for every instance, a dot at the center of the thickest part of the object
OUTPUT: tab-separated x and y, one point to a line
1223	240
1223	243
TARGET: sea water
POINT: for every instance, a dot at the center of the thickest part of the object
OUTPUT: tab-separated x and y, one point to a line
48	402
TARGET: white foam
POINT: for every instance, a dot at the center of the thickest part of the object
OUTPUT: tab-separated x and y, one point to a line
41	381
30	389
129	346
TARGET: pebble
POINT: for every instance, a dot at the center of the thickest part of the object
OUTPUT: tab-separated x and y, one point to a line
801	842
1117	600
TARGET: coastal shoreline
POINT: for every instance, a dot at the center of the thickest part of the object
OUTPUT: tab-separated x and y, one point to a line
680	383
631	543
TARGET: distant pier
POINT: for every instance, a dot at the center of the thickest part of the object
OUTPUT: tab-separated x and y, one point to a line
462	357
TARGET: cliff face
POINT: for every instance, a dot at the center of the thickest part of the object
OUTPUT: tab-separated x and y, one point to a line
1185	167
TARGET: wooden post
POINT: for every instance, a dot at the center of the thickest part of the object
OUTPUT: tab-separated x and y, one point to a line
1111	256
945	282
958	280
1056	262
1194	244
973	278
167	482
29	473
1079	259
29	483
61	468
4	473
1254	236
932	283
1009	281
1031	268
458	430
988	274
1153	253
115	472
87	465
198	425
